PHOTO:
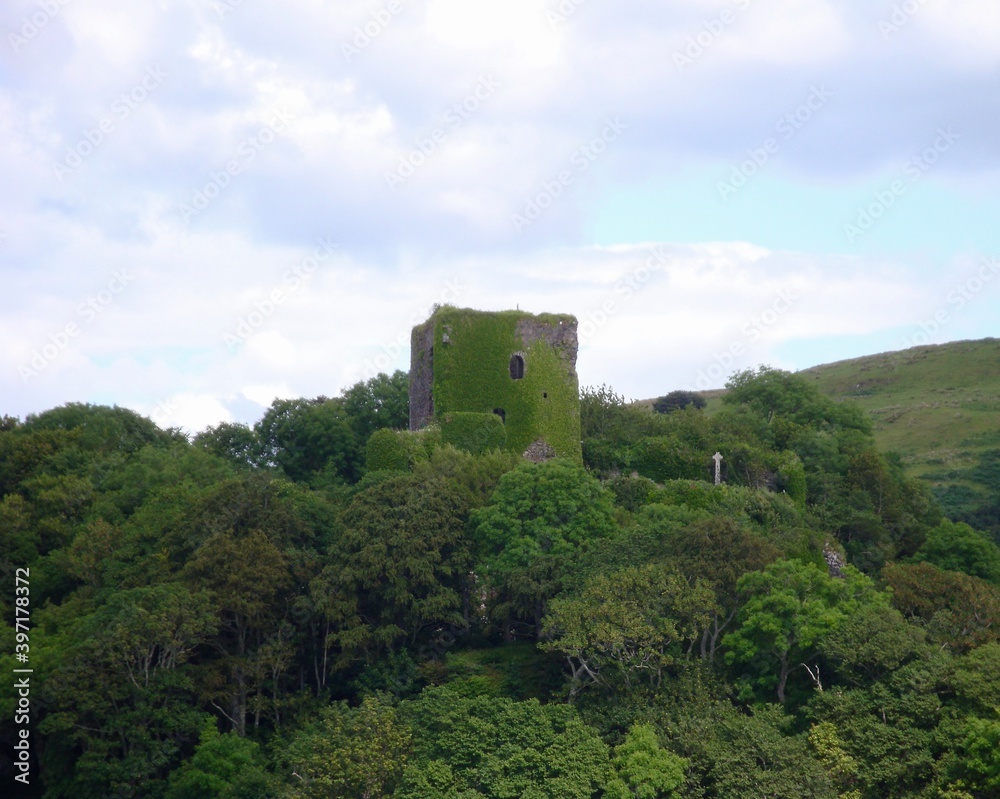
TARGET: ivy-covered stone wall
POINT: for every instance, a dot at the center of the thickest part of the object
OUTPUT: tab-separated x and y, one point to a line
518	365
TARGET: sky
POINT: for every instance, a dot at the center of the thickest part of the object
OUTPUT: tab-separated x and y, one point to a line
206	205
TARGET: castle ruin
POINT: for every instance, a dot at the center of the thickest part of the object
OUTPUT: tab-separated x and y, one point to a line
474	367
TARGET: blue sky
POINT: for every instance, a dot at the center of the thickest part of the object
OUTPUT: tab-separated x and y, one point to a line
208	204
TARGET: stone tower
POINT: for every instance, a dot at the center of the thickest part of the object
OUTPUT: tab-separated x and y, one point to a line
472	366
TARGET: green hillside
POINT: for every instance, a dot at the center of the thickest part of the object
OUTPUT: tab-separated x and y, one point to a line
938	407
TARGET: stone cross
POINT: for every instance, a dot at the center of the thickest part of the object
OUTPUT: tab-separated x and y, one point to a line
717	457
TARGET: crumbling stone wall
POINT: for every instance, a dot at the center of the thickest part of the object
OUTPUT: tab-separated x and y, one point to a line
422	375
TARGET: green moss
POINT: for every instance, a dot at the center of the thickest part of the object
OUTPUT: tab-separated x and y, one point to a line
387	450
473	432
398	450
472	360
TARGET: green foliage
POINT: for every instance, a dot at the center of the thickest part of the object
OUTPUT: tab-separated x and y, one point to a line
383	402
101	430
871	643
117	683
979	767
774	396
625	627
473	432
222	767
349	753
531	532
400	570
173	583
645	769
663	458
516	671
791	607
976	680
935	406
678	400
876	513
494	748
392	450
605	415
236	443
692	493
718	552
842	768
957	610
895	731
630	492
792	477
957	547
305	438
734	755
475	475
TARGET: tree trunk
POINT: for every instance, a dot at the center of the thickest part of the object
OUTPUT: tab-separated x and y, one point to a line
783	678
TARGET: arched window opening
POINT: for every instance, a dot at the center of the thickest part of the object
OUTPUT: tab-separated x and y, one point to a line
516	366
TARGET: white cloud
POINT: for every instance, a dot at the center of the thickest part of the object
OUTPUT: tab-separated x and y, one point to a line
264	395
519	26
192	413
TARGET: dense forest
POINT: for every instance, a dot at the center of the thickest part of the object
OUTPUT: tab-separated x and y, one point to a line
256	613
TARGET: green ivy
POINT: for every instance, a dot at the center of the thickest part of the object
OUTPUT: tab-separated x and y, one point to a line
399	450
472	355
473	432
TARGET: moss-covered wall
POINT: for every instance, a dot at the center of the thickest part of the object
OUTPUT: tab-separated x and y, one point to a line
469	354
473	432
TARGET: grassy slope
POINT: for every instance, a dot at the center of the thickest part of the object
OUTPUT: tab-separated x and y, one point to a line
937	406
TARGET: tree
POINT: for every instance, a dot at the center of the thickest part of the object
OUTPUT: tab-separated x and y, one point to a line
645	769
381	402
678	400
718	551
248	578
485	747
236	443
872	643
349	753
222	767
955	546
791	607
154	628
102	429
476	476
978	766
118	691
842	768
895	731
305	438
958	610
609	424
400	571
537	521
624	626
773	396
752	755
